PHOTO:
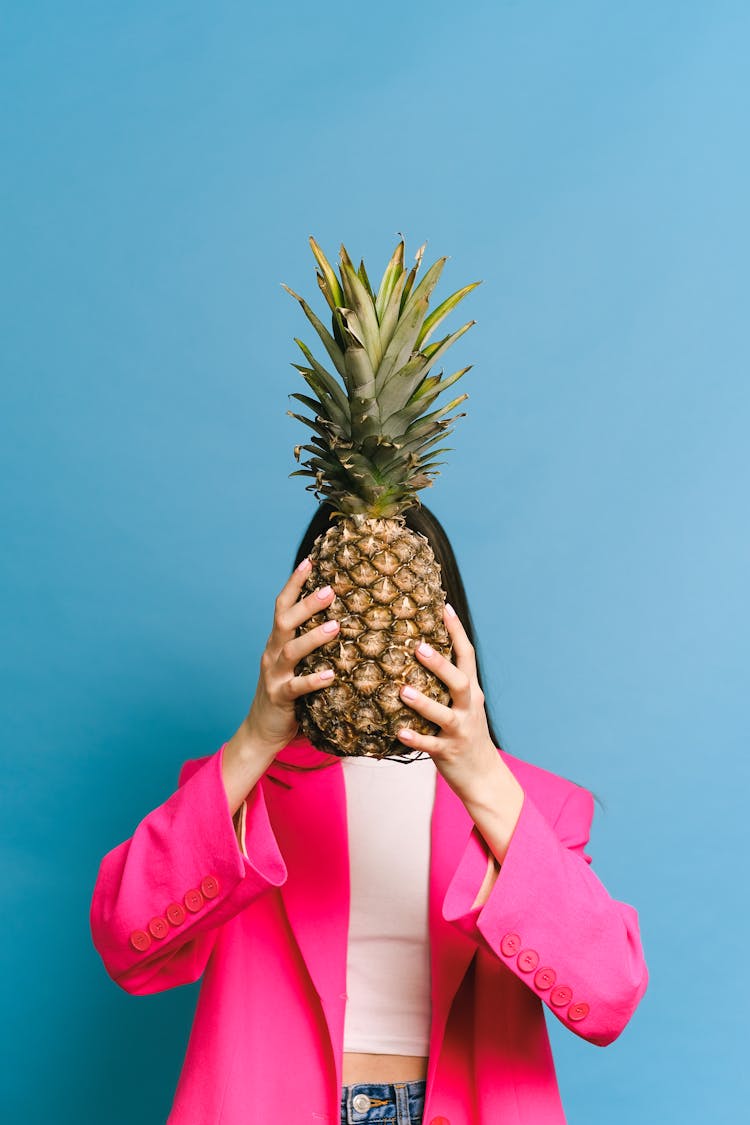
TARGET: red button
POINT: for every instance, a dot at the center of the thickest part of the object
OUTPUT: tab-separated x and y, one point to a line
440	1121
561	995
210	886
578	1011
175	913
193	900
159	927
545	978
528	959
140	940
510	944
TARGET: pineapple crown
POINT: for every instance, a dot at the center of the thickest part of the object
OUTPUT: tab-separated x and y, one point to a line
373	443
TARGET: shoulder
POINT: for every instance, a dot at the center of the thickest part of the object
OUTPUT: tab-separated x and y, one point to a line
191	766
549	791
299	752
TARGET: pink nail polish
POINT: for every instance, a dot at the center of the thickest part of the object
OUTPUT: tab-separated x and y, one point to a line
424	649
322	594
330	626
304	565
405	734
450	610
408	693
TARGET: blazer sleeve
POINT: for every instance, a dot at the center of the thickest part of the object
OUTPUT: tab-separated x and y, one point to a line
549	919
160	897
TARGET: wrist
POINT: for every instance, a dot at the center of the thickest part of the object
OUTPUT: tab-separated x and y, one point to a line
247	748
244	762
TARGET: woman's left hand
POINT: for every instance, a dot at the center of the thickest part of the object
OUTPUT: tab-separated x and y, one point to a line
463	751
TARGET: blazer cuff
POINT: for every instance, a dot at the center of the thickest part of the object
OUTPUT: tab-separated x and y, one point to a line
552	923
183	872
465	885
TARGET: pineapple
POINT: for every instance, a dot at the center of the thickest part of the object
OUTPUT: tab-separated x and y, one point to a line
372	449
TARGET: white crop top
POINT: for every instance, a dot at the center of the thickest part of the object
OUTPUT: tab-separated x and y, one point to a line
389	809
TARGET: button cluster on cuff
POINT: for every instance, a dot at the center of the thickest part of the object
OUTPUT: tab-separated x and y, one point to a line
160	925
545	977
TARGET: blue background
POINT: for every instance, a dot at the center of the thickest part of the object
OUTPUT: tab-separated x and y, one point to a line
164	166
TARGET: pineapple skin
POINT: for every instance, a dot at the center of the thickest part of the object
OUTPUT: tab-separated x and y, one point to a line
388	597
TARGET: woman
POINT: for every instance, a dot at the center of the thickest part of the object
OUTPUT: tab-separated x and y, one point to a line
377	943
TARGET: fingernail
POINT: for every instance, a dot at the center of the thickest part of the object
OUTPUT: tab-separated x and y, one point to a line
322	594
450	610
424	649
304	564
408	693
326	674
330	626
405	734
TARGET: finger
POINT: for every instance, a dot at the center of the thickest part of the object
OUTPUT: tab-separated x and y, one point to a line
293	587
293	651
303	685
455	679
287	619
308	606
442	716
463	648
411	738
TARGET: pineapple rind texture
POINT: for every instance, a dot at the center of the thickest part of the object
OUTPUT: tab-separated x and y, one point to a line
388	598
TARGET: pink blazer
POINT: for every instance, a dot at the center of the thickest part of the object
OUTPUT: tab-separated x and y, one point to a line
179	900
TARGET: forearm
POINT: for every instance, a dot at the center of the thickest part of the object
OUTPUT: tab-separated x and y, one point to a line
495	804
243	764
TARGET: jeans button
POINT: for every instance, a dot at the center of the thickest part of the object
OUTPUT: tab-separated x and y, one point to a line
361	1102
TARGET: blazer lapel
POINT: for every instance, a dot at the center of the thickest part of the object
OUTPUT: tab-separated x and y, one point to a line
451	949
307	811
308	815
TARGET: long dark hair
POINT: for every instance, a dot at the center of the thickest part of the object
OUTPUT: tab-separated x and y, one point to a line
420	519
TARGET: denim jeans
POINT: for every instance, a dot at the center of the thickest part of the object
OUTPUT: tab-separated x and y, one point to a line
383	1103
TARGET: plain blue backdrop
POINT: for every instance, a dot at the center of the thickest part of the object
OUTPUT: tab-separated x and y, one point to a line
164	165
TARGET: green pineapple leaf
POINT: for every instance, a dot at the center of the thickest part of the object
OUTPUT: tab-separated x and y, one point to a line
337	402
393	272
390	315
361	302
362	274
427	284
332	289
331	346
412	275
442	311
402	344
333	388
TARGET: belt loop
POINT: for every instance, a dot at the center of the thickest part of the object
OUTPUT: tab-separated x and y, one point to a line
402	1103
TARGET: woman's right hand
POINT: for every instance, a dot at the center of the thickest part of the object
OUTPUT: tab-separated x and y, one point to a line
271	722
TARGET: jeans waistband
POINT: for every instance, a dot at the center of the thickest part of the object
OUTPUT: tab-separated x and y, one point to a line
370	1102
